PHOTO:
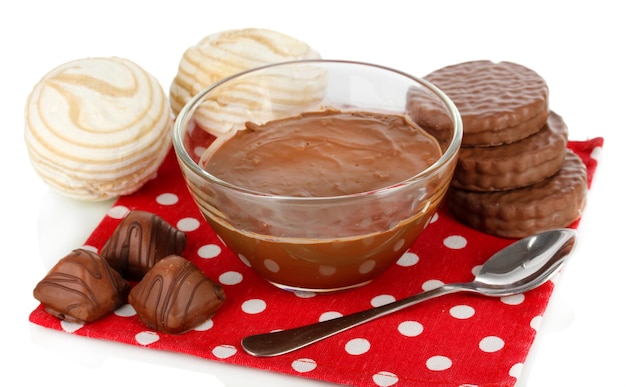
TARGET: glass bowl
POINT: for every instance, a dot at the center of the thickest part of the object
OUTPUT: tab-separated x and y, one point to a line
322	242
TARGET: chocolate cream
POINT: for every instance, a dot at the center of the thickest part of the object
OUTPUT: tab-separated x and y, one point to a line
320	246
329	153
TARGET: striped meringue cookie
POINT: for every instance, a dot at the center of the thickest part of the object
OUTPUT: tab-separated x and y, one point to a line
226	53
284	93
97	128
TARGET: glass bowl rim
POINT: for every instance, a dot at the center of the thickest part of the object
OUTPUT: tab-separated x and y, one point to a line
184	157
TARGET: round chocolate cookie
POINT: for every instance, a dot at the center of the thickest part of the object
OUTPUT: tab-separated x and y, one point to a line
553	202
514	165
499	102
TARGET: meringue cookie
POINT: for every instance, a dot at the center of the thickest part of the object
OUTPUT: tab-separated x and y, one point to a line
226	53
276	93
97	128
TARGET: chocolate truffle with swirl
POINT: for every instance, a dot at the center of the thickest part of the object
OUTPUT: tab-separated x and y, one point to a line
81	288
175	296
139	241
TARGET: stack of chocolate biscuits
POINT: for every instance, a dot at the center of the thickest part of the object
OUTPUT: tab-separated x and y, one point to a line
515	175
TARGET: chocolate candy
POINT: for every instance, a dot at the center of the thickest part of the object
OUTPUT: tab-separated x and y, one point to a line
175	296
81	288
140	240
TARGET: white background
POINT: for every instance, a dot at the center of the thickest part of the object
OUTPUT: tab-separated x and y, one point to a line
577	47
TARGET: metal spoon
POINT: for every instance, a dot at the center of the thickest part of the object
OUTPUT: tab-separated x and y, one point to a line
518	268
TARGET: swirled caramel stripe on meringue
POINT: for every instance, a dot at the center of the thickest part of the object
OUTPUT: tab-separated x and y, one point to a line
98	127
246	100
222	54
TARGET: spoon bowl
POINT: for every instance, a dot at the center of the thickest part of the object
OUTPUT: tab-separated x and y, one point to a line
518	268
525	264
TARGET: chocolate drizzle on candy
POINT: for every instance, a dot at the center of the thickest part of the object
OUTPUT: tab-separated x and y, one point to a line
81	288
175	296
139	241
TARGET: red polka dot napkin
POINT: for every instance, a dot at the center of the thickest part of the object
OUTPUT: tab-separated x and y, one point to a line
459	339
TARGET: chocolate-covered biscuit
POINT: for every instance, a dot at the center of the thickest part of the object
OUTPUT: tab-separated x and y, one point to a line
81	288
175	296
499	102
513	165
139	241
554	202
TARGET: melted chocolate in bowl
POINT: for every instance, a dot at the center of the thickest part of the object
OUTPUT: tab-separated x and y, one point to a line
318	200
320	154
322	264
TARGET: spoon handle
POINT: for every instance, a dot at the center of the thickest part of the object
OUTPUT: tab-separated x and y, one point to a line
281	342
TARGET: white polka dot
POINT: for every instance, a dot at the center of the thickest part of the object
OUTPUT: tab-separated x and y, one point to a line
431	284
410	328
515	299
224	351
516	370
271	265
535	323
383	299
367	241
167	199
462	312
118	212
491	344
253	306
367	266
398	245
385	379
209	251
327	271
303	365
418	200
476	269
357	346
70	327
146	337
596	153
438	363
230	278
434	218
304	294
244	260
205	326
89	248
455	242
408	259
329	316
199	151
125	310
188	224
